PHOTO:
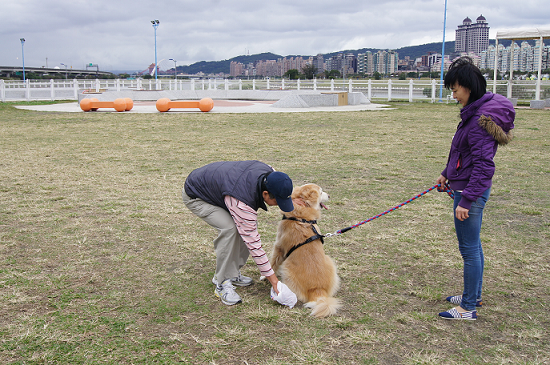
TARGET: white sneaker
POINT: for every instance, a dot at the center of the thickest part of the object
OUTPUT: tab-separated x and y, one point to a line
240	280
226	292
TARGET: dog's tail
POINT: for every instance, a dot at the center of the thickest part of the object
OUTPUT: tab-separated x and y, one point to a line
324	306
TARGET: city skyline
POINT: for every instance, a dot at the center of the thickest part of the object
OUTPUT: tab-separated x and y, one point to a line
119	36
366	62
472	39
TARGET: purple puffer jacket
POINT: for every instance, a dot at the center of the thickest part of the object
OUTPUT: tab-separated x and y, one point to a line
485	124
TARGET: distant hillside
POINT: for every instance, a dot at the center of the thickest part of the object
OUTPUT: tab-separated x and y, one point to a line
415	52
215	67
411	51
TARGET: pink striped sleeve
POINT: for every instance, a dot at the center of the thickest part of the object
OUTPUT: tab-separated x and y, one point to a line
246	220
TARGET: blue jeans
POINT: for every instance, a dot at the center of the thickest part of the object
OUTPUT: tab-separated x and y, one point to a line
469	244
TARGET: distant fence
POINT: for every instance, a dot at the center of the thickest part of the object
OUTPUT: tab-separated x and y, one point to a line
388	90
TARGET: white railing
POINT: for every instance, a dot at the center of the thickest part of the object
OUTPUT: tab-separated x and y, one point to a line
388	89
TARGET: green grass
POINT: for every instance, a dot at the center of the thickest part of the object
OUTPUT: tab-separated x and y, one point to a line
100	261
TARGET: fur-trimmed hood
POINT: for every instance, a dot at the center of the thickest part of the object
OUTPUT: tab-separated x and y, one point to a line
495	113
495	130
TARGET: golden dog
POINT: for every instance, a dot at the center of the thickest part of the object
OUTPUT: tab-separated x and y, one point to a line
303	266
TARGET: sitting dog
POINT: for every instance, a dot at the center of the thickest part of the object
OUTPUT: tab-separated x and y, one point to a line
298	255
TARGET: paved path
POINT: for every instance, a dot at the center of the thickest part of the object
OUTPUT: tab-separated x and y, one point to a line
220	106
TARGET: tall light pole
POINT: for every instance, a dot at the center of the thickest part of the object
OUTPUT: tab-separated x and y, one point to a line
155	25
443	54
344	73
23	55
175	68
66	75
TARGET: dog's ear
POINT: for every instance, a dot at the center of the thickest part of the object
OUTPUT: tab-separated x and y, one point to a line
296	192
310	195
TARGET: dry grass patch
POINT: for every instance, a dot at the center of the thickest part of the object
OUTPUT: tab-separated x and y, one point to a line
101	262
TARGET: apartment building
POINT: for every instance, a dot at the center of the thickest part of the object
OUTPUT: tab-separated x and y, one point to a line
526	57
472	37
267	68
386	62
383	62
365	63
236	69
335	62
298	63
319	63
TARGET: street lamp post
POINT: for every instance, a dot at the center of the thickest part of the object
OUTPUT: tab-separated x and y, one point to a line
344	77
175	68
443	55
66	73
155	25
23	55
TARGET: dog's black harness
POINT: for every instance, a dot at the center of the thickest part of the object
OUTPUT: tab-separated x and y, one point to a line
317	235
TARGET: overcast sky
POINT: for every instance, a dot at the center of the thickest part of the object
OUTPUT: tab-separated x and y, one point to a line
118	35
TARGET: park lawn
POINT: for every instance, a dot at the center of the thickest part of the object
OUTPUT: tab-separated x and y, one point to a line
100	261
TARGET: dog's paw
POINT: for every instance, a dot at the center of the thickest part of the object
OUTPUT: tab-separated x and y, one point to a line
262	278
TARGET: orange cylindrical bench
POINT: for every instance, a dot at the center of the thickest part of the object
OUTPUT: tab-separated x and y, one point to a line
120	104
165	104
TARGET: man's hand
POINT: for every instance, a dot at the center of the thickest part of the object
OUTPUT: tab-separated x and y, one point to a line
284	295
273	280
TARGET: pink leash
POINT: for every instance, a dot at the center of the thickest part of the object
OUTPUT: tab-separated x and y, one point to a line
446	188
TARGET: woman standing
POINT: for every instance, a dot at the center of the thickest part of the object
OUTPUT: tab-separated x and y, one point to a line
486	121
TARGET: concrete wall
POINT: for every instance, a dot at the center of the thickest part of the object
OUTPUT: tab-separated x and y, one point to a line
317	100
153	95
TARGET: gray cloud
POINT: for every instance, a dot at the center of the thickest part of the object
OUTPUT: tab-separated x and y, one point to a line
118	35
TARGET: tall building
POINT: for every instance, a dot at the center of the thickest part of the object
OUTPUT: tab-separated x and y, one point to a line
286	64
319	63
546	57
386	62
267	68
472	38
433	58
335	62
488	57
236	69
365	63
506	58
426	59
350	64
526	57
383	62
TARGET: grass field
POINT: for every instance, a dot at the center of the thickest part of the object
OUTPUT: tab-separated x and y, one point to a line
100	261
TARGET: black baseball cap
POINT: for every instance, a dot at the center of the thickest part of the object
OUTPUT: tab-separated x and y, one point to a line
280	186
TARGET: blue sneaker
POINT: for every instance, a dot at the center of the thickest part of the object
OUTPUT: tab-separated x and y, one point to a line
454	314
457	299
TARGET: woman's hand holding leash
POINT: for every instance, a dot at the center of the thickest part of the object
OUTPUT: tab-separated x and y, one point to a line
460	212
441	180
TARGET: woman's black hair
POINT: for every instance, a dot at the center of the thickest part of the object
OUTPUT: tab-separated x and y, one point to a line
463	71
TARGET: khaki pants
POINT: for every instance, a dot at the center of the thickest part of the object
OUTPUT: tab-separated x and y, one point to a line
231	251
